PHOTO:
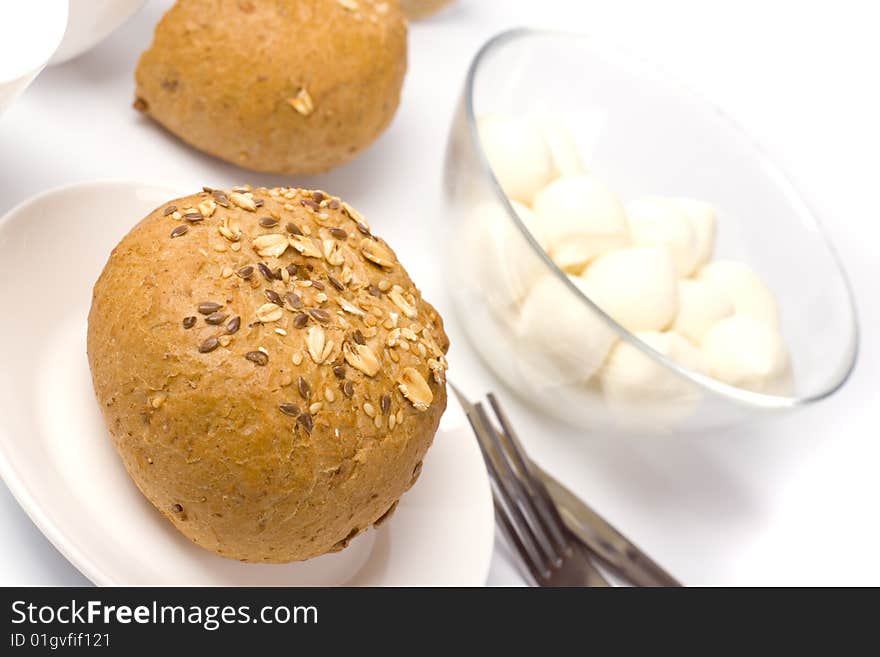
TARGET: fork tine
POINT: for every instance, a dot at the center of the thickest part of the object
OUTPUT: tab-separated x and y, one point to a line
514	449
511	484
512	514
525	560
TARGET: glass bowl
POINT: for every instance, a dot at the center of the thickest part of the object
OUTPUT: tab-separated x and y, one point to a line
644	135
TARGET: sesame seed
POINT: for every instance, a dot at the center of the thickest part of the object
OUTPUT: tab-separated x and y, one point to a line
348	388
289	409
265	271
320	315
209	345
294	300
305	390
306	421
257	357
220	198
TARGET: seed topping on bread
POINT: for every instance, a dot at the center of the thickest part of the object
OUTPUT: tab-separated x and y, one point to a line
323	283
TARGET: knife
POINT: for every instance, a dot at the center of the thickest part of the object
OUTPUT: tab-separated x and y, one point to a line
616	551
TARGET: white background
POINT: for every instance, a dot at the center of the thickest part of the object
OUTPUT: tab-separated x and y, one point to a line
791	501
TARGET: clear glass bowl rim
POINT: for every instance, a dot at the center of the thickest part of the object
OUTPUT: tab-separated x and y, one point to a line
733	393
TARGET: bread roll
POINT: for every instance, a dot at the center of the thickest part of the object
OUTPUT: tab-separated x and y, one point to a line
418	9
290	86
269	373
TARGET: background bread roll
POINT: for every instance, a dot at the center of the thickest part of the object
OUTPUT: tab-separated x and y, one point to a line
418	9
289	86
268	371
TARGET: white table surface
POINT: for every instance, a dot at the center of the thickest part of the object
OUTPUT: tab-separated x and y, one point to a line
792	501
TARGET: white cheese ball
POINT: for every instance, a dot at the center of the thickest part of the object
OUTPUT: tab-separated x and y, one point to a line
518	154
637	286
746	353
582	219
745	289
502	263
661	221
561	338
700	306
563	149
703	219
645	392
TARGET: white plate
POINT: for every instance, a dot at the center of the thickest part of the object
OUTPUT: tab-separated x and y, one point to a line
58	460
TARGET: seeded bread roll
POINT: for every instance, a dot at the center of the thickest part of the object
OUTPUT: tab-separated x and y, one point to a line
418	9
289	86
268	371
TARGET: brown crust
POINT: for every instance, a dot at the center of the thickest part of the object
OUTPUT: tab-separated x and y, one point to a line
419	9
202	431
229	78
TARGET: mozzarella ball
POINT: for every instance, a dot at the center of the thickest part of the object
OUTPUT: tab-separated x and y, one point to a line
700	306
582	219
503	263
746	353
636	286
642	390
562	339
563	149
518	155
703	219
745	289
661	221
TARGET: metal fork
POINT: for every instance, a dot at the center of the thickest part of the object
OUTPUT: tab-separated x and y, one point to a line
526	515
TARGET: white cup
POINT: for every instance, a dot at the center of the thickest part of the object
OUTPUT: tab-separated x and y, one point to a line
91	21
29	34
